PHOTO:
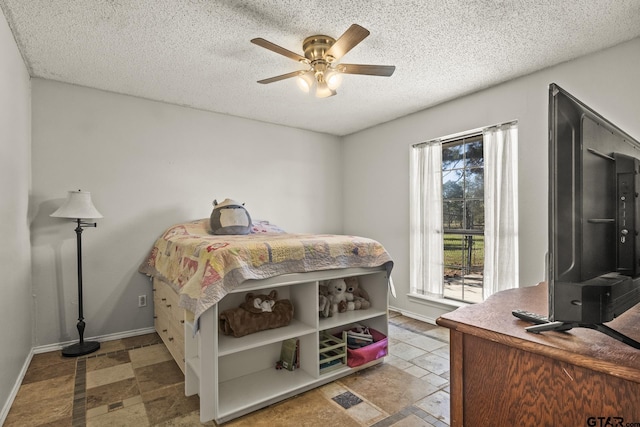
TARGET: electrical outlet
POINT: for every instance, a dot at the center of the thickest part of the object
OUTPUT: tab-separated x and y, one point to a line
142	300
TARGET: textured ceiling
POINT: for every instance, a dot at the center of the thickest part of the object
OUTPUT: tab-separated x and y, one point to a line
197	52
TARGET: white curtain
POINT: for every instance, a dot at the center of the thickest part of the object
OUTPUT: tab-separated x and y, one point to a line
427	264
501	270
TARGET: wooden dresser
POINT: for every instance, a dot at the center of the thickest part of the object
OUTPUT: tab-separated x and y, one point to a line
169	320
503	375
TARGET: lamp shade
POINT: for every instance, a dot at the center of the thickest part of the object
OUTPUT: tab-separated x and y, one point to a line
306	80
78	205
333	78
323	90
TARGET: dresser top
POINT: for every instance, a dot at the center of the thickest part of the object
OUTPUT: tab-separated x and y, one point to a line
492	320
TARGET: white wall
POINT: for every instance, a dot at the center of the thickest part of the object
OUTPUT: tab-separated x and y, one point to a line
149	165
15	170
378	206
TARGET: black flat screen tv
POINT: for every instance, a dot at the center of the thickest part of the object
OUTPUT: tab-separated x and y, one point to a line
594	219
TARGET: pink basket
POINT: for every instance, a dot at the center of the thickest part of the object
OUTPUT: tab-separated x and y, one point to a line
378	349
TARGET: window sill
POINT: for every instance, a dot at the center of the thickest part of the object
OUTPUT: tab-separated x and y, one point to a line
441	302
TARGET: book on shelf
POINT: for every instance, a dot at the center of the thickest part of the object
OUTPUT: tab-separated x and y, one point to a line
289	354
360	335
357	340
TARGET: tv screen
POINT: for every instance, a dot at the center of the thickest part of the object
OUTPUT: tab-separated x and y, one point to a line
594	225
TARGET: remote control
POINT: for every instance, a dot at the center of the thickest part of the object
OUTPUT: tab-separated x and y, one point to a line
537	319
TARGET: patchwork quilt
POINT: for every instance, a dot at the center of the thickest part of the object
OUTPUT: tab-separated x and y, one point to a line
203	268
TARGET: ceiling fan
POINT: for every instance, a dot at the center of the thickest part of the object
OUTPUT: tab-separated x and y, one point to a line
321	54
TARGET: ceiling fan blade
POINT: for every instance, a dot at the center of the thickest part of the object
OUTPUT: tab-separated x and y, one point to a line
278	49
354	35
369	70
281	77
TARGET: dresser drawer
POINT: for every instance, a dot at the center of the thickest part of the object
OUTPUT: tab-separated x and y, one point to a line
169	320
173	339
163	297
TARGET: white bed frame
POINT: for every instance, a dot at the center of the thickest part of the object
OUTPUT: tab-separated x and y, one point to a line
235	376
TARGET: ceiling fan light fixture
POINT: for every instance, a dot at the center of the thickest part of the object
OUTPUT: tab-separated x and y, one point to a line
306	80
321	53
333	78
323	90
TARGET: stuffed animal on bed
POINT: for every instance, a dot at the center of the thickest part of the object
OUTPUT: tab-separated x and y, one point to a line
229	217
337	297
357	298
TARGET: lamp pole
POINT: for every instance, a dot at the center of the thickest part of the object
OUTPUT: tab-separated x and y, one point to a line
77	206
82	347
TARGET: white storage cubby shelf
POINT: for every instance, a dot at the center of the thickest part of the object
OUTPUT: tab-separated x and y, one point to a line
235	376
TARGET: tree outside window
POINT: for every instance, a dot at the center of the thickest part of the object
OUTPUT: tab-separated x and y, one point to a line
463	218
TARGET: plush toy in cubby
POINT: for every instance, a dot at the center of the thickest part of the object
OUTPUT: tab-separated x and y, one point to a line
340	295
337	297
357	297
257	313
324	305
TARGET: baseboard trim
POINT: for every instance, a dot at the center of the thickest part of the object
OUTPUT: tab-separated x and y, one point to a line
413	315
16	387
100	338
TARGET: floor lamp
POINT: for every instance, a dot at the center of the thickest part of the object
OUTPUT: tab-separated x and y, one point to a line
79	207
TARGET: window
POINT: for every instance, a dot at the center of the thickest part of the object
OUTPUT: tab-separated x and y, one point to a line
463	218
464	215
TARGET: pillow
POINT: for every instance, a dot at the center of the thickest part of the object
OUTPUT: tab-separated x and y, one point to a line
260	226
229	217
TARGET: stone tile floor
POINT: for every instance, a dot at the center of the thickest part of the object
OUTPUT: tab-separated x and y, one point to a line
120	385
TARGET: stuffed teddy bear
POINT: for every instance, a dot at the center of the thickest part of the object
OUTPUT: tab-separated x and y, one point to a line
259	303
324	305
337	297
357	298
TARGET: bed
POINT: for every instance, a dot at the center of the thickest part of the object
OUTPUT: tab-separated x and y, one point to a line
207	274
